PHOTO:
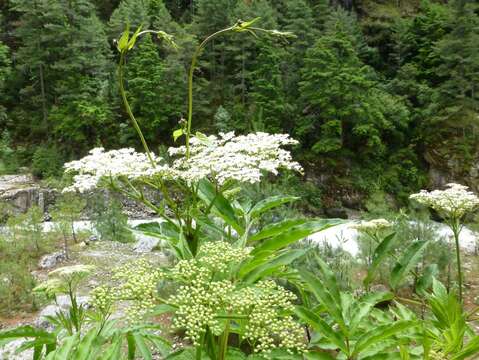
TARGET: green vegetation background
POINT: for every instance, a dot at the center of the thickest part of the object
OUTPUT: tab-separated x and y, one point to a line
377	92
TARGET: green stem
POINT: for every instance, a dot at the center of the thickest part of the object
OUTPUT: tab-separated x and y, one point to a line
128	108
190	83
224	342
455	226
199	348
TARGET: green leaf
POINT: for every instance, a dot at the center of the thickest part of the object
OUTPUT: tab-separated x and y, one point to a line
220	204
131	346
329	279
321	326
132	41
113	352
64	351
381	252
270	265
161	344
275	229
162	309
235	354
363	306
85	347
141	345
177	133
244	25
318	356
426	279
123	42
295	233
331	303
381	333
409	259
270	203
472	348
24	331
37	352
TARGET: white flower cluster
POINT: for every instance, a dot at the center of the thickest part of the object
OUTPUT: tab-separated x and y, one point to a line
202	299
64	279
225	158
228	157
454	202
99	164
72	271
372	225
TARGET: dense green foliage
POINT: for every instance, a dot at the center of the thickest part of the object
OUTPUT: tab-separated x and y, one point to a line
361	87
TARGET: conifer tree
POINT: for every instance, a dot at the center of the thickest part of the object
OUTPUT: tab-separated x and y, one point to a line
156	88
5	69
64	53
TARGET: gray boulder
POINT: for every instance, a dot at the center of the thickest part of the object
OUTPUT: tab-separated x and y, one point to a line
62	305
51	260
146	244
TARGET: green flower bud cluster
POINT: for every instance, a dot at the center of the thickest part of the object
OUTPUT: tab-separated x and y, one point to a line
101	299
206	294
198	306
218	255
138	285
202	300
267	305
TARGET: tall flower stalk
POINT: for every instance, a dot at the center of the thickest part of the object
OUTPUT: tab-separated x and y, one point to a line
219	160
239	26
453	204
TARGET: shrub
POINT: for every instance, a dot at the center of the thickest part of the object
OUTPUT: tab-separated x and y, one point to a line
110	222
47	162
9	162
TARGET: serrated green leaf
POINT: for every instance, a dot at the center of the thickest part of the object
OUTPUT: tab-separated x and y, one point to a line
270	203
409	259
322	326
142	347
380	254
275	229
381	333
270	265
295	233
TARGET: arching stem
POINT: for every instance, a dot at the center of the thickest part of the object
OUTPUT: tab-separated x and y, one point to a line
190	82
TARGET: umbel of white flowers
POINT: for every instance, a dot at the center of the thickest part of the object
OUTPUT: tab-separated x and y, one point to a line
453	202
372	225
222	158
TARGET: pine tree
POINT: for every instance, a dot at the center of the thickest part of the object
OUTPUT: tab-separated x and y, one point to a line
458	54
295	16
156	87
150	14
267	95
346	109
67	67
5	69
81	109
38	48
211	16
